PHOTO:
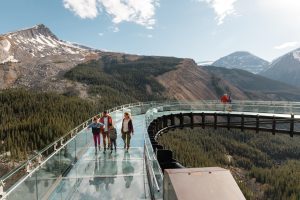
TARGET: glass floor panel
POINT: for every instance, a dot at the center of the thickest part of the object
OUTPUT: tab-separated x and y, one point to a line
116	175
125	187
134	153
107	168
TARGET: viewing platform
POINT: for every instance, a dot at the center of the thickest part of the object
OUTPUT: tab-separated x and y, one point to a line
69	168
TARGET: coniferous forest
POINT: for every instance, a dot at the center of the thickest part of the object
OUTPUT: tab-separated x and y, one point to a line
265	166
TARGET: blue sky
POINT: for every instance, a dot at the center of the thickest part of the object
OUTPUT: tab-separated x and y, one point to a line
198	29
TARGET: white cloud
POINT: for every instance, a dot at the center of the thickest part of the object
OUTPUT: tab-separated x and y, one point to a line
286	45
150	36
222	8
83	8
115	29
100	34
141	12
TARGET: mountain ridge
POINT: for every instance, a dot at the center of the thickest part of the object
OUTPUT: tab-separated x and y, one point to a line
286	68
242	60
39	61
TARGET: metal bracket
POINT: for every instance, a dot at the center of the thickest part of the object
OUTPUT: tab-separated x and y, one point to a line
2	193
55	146
28	167
40	158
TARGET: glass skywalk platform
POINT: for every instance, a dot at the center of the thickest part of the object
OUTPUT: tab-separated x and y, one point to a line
70	169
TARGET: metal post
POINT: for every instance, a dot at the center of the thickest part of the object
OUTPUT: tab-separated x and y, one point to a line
165	121
257	123
292	122
203	120
273	125
242	122
192	120
55	147
172	120
181	120
228	121
40	158
28	167
215	120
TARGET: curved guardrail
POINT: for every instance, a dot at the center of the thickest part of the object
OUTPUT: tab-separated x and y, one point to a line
152	110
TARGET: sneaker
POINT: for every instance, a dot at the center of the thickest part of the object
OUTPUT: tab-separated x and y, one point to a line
99	148
104	150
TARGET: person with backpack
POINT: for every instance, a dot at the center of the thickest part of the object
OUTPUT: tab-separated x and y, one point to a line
113	137
106	120
127	130
96	132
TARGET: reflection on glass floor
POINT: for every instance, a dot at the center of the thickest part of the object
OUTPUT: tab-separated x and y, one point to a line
116	175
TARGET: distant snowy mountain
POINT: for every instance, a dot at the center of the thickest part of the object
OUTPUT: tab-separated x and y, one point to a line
285	68
30	56
35	42
205	63
242	60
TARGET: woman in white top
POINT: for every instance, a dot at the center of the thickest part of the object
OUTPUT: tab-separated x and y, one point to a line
127	130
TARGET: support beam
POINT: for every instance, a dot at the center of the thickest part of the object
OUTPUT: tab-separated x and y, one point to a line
165	121
273	125
257	123
192	120
215	120
172	120
181	120
228	121
242	122
292	124
203	120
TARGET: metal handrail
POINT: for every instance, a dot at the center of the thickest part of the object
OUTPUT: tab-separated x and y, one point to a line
153	173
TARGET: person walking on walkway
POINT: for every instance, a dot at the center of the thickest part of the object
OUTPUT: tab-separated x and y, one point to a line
224	100
113	137
127	130
106	120
96	132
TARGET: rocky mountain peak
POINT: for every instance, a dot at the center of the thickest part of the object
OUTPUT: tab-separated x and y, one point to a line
286	68
242	60
32	55
32	32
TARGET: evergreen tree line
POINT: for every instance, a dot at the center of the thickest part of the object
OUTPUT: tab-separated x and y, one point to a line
274	161
32	120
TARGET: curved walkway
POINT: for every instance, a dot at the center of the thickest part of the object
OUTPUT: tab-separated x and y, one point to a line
69	168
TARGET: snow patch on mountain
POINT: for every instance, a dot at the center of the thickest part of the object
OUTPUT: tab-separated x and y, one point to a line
296	55
5	44
9	59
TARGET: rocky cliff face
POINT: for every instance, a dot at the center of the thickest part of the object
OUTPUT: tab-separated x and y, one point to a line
35	58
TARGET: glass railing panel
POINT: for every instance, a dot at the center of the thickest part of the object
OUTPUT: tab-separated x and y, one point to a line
67	156
26	190
82	140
